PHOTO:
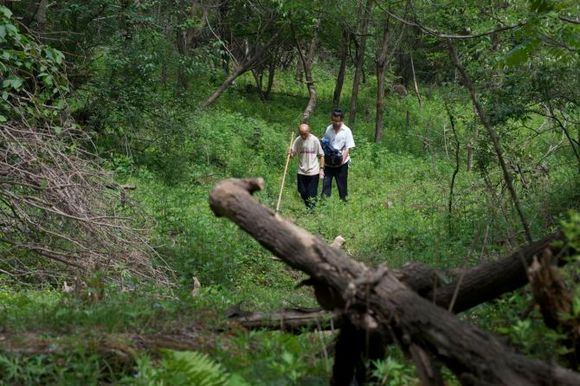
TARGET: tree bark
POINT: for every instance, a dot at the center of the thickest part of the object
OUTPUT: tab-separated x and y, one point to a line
296	320
490	280
472	144
455	171
381	66
384	57
258	75
342	68
271	72
555	301
307	62
478	285
415	80
365	20
375	298
40	16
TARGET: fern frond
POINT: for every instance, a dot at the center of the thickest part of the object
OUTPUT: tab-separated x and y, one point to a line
191	368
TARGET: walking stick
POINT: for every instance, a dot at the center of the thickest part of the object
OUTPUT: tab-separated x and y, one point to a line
284	176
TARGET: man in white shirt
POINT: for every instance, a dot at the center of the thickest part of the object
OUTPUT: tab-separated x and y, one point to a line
340	138
310	164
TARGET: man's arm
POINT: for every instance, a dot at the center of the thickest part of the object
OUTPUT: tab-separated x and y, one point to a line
345	153
321	159
349	144
292	150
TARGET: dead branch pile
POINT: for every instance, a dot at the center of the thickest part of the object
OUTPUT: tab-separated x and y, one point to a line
377	308
58	203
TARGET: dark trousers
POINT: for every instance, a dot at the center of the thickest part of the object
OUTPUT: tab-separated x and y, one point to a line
341	175
308	189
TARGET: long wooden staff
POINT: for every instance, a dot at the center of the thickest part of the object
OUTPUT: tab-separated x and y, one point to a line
284	176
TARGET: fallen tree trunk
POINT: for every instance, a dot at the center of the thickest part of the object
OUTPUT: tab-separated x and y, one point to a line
375	298
119	344
294	320
478	285
492	279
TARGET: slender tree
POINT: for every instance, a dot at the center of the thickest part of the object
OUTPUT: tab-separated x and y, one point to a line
362	38
385	52
493	135
343	56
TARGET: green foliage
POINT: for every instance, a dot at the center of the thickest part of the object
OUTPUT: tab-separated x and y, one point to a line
392	372
277	359
571	228
75	366
33	83
528	334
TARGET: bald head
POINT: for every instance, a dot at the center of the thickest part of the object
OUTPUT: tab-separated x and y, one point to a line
304	130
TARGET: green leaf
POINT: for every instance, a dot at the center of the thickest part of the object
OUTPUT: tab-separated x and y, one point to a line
3	118
12	30
520	53
14	83
54	55
46	78
5	12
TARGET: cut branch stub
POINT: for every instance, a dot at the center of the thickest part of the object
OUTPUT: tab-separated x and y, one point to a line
378	296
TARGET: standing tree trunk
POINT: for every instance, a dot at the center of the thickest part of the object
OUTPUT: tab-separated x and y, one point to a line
384	57
186	39
365	19
307	62
258	74
182	80
271	72
299	75
342	68
381	66
472	144
40	16
455	171
415	79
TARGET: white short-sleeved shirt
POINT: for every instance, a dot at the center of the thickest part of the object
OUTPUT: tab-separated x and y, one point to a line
308	151
340	140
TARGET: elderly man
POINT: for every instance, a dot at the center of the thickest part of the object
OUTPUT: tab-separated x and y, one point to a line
310	164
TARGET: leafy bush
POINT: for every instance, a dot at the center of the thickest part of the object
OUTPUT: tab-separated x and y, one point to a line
33	83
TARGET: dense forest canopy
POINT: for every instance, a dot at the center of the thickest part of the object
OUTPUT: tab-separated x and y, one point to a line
118	118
